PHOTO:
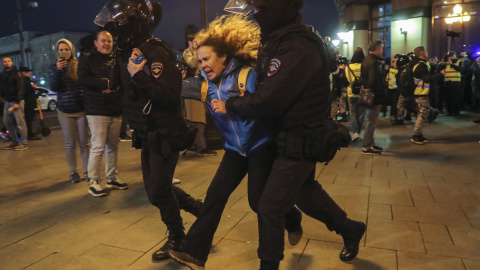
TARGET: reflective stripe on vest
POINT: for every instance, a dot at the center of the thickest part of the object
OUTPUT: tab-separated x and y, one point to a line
451	75
331	82
422	88
392	80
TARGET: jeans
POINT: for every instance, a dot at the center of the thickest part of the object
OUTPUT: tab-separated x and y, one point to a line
292	182
357	114
105	132
75	129
8	119
230	173
372	117
423	112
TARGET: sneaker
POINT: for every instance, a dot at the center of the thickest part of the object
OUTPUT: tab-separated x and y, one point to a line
207	152
425	140
20	147
116	184
377	148
187	260
417	139
74	178
125	138
370	151
355	137
96	190
176	181
10	147
163	253
352	232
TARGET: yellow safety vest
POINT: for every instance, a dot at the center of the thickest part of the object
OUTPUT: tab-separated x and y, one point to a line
392	79
422	88
451	75
356	68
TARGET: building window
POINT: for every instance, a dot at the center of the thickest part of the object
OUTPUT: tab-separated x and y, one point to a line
380	25
462	35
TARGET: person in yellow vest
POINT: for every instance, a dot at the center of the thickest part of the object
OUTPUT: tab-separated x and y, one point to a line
453	85
392	89
357	113
423	78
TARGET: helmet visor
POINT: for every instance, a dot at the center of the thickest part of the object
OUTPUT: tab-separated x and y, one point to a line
116	11
239	6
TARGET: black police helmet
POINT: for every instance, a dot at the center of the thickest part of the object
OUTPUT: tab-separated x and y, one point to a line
402	60
342	60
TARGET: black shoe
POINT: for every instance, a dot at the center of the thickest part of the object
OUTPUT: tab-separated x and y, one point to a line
207	152
425	140
398	122
162	253
264	265
377	148
370	151
185	259
417	139
33	138
352	232
477	121
125	138
74	178
194	206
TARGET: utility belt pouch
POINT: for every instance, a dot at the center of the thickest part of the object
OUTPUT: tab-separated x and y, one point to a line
136	140
290	144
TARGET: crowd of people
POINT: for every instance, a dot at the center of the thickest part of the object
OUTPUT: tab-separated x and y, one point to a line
271	87
412	84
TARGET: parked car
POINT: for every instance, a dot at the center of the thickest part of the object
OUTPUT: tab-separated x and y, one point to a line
48	98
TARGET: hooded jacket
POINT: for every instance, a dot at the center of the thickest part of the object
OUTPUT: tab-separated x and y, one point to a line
239	135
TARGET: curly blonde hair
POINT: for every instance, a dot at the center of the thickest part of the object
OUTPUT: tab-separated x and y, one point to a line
232	35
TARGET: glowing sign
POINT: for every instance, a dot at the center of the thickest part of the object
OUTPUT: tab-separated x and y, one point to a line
457	15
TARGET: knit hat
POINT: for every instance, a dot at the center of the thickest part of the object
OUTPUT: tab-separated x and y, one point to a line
69	44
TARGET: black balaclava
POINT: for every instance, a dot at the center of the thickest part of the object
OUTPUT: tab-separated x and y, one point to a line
275	14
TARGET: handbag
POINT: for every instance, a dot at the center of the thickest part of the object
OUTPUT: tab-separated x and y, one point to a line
356	84
366	97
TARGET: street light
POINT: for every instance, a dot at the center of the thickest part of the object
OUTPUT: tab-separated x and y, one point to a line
30	6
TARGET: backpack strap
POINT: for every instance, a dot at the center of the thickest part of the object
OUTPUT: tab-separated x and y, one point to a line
204	89
242	79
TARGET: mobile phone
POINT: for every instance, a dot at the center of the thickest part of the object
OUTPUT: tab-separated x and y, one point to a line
61	54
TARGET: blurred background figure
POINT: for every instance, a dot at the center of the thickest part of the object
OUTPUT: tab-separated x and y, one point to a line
30	97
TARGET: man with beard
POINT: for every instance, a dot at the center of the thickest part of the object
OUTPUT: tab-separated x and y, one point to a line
152	106
292	94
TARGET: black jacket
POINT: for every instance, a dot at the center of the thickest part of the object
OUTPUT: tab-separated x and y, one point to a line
95	70
29	94
293	81
423	72
69	94
160	82
373	78
12	89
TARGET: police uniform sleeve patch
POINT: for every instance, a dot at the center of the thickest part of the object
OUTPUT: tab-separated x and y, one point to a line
274	66
156	69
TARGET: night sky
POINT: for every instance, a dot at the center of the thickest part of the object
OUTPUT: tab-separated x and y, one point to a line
77	15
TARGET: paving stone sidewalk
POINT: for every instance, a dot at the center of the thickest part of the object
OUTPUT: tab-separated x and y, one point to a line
421	204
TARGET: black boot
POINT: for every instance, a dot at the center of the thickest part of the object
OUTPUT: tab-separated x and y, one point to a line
293	225
193	207
352	232
264	265
173	242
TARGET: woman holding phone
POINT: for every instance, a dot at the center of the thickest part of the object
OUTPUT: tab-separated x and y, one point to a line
71	111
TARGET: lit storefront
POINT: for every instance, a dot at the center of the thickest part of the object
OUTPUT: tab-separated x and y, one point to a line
439	25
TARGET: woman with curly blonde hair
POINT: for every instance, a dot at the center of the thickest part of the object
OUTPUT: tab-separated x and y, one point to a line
225	51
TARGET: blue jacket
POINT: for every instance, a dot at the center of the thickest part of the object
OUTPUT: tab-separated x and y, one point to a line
239	135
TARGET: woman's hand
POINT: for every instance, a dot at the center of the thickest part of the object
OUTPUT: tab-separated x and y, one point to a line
61	64
218	106
132	67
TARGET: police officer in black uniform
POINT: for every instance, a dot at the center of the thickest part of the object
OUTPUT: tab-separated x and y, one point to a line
152	107
292	94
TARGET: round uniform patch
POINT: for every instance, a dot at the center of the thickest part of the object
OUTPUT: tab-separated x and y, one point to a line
274	66
157	69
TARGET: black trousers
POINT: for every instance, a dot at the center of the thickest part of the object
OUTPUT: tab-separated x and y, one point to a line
29	115
292	182
230	173
453	97
158	172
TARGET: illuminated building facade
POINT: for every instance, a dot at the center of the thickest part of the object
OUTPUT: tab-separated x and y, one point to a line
439	25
